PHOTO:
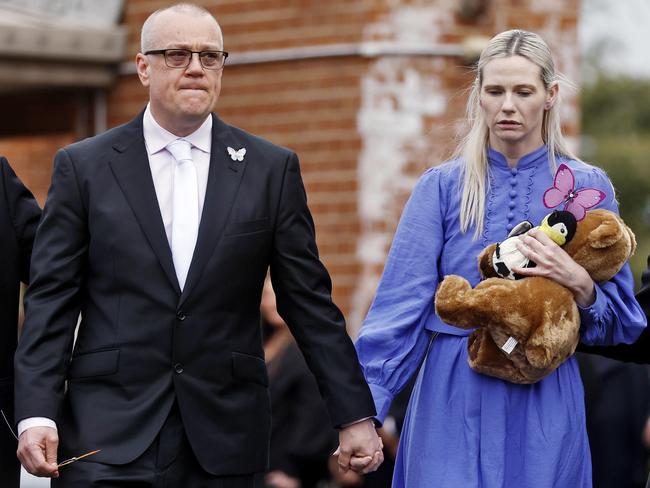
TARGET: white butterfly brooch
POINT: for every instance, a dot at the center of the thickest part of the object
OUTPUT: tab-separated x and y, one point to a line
237	155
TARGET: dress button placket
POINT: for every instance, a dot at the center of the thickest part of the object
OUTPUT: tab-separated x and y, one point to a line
512	194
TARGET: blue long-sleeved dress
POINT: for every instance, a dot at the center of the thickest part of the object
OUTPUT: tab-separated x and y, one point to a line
464	429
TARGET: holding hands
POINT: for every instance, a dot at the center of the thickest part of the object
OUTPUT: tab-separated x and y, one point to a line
360	448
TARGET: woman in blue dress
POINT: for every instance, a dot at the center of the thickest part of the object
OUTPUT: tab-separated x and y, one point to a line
464	429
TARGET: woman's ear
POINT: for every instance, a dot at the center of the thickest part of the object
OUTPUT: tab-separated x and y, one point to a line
551	96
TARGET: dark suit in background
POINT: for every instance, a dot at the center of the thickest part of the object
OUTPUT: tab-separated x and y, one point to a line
639	351
19	215
301	441
616	397
617	403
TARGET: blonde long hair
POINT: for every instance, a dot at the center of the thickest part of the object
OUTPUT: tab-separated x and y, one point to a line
473	148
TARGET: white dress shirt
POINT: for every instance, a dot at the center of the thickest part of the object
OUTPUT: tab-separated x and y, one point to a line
161	163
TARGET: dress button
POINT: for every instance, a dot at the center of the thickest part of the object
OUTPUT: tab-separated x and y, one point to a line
513	171
511	216
513	193
513	181
180	315
511	205
509	227
178	367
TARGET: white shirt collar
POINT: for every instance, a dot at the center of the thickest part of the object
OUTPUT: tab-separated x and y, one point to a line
156	137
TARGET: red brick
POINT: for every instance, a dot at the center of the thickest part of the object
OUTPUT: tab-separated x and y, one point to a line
312	105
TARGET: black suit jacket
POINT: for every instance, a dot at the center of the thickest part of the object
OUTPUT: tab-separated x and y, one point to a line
101	250
19	214
638	351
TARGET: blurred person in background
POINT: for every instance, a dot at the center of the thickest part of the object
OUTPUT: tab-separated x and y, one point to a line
19	215
463	428
300	455
160	233
618	405
300	445
639	350
617	402
390	433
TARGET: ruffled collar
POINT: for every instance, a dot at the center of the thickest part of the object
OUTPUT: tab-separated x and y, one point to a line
495	158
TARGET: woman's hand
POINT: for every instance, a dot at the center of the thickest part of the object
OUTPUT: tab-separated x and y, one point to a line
554	263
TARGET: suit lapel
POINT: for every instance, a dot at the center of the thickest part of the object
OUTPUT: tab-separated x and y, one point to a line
130	165
224	178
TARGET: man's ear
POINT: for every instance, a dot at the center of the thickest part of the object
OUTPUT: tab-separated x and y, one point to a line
143	67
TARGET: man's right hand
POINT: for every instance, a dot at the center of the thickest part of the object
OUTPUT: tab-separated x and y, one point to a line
37	449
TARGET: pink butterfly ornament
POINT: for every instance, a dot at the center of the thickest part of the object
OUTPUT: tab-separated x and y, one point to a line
575	201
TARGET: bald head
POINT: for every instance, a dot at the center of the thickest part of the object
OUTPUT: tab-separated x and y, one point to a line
180	97
152	37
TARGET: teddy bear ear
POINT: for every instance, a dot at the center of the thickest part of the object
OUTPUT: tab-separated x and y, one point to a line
485	262
632	239
608	233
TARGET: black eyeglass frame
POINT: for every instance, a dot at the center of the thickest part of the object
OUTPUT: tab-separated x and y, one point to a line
189	59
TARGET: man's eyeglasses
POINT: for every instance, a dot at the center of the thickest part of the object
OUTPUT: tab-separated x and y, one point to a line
181	58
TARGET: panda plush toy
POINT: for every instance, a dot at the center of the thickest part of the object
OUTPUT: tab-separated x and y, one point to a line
559	225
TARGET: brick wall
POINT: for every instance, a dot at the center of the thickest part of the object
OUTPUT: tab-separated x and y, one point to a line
31	159
270	24
364	125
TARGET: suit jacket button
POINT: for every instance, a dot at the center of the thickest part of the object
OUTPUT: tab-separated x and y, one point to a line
180	315
178	367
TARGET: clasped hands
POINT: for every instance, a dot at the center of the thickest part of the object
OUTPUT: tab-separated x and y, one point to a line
360	448
554	263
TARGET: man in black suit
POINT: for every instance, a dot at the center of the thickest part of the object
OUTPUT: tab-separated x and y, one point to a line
160	233
19	215
638	351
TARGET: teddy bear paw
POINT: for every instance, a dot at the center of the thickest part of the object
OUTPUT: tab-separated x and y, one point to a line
538	356
451	298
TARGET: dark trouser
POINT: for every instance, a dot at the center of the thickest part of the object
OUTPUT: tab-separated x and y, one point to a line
9	465
168	463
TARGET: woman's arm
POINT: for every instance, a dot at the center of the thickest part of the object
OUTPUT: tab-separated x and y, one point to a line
393	340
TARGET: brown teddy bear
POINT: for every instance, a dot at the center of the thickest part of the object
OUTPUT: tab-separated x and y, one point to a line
529	326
